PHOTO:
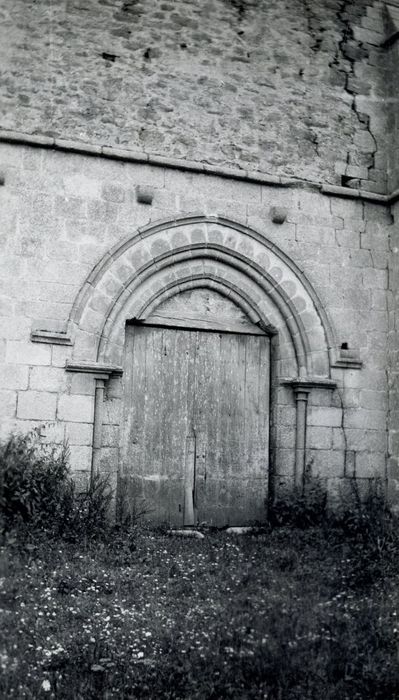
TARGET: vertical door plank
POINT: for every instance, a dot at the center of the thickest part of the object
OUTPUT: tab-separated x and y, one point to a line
232	392
189	481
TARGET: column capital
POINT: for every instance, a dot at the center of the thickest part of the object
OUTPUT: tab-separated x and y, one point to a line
301	393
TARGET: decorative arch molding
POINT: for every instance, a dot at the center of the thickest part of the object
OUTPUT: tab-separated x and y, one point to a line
165	257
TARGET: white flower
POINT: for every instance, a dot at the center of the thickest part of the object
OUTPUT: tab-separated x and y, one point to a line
46	685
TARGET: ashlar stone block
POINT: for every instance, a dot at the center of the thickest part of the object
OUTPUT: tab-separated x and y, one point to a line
79	433
47	379
25	353
326	463
14	376
75	408
8	400
80	458
324	416
320	438
36	405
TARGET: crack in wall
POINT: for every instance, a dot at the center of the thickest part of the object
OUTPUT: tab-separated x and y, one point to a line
314	27
342	58
315	141
241	7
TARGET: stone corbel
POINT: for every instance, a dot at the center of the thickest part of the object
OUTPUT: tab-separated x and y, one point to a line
51	331
348	359
100	373
302	389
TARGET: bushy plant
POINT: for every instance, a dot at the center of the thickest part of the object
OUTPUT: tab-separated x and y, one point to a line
34	482
39	497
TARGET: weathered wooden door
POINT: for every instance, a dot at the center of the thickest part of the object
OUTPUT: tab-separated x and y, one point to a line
196	424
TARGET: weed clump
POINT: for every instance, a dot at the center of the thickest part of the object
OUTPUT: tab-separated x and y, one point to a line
357	519
39	498
303	507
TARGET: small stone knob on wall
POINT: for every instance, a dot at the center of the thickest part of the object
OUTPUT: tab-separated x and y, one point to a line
278	214
144	195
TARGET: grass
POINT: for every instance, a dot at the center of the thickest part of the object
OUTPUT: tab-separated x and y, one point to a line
307	610
288	614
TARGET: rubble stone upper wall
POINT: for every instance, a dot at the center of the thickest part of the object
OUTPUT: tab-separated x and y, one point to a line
287	87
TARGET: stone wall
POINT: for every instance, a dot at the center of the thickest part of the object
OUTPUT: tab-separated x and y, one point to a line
62	212
392	90
393	360
287	87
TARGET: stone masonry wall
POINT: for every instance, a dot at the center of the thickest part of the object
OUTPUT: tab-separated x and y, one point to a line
287	87
393	359
61	212
392	88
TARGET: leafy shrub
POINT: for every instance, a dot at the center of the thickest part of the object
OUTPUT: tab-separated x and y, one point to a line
33	482
38	495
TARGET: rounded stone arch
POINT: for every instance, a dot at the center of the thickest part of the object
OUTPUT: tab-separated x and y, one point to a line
166	257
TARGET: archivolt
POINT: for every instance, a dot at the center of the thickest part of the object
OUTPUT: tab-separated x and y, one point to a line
164	258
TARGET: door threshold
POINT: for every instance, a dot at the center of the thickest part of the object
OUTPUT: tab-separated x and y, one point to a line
199	533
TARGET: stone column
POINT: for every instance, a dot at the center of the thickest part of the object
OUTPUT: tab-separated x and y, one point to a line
301	398
97	425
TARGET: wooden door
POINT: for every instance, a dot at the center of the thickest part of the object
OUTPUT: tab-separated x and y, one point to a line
196	415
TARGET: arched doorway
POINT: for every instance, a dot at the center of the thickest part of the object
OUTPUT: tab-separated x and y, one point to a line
246	272
195	435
